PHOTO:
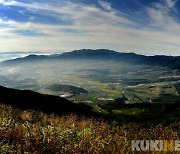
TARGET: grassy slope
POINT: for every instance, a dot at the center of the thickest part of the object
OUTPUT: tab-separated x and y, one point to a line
30	131
23	130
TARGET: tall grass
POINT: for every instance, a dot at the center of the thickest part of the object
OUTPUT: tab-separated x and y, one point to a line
36	132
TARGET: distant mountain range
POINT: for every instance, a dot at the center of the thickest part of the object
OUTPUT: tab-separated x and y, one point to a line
104	54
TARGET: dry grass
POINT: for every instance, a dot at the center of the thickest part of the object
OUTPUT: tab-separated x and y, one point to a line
36	132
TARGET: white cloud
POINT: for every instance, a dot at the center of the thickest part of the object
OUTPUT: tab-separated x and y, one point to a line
73	11
162	18
95	27
170	3
105	5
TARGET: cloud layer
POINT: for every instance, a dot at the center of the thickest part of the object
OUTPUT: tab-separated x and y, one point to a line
58	26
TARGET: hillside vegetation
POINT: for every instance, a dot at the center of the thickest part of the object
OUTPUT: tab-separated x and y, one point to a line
35	123
36	132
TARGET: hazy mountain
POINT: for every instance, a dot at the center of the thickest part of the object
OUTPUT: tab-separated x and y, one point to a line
13	55
104	54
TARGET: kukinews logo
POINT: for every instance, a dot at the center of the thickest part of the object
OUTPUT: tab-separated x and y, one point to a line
155	145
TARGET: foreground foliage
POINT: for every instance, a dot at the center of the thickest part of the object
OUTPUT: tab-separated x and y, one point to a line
36	132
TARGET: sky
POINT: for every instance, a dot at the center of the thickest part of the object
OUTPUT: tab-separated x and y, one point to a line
149	27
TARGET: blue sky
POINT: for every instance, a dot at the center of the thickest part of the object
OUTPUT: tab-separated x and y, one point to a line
142	26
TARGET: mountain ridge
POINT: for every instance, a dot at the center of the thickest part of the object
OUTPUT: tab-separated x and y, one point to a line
30	100
172	62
